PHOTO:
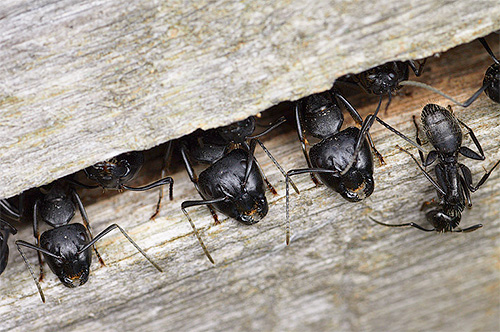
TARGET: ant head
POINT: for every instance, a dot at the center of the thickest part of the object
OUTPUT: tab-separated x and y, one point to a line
355	186
251	207
385	78
445	218
71	266
238	132
111	174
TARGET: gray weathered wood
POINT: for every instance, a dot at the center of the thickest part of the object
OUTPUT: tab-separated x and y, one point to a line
82	81
341	272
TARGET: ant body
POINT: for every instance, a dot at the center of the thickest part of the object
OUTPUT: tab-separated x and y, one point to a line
7	212
116	172
57	207
5	230
66	247
454	180
319	115
233	184
387	78
342	159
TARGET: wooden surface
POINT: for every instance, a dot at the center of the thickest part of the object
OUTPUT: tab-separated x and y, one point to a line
82	81
341	271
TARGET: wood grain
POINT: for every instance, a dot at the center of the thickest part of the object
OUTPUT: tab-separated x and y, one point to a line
82	81
341	272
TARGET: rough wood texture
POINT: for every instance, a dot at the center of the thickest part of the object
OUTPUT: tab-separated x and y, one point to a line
82	81
341	271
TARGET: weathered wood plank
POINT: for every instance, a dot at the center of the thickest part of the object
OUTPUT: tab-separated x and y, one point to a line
85	80
341	272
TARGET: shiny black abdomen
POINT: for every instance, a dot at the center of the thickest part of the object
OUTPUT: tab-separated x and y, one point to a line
442	129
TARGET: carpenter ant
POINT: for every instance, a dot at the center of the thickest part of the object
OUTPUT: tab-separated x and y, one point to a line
342	159
233	184
116	172
66	247
57	208
5	230
319	115
491	82
454	180
387	78
11	213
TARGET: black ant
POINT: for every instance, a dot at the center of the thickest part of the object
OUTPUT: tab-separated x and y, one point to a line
116	172
56	206
5	230
320	115
387	78
342	159
66	247
454	180
233	184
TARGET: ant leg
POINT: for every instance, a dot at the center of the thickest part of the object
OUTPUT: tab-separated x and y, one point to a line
11	230
187	204
250	161
488	49
468	177
77	183
164	169
419	142
109	229
417	70
11	210
400	135
367	123
468	229
303	140
465	190
168	180
427	175
86	223
411	224
357	118
251	151
275	162
287	181
36	234
194	179
20	243
271	127
465	151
